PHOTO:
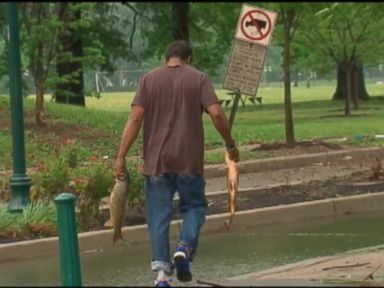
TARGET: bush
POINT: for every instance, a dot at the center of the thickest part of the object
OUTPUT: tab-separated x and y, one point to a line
37	219
9	223
90	188
4	189
89	181
40	219
136	186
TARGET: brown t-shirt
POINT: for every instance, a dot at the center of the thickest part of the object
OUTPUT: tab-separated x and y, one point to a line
174	99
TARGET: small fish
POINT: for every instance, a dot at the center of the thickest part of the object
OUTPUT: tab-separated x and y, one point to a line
117	204
233	187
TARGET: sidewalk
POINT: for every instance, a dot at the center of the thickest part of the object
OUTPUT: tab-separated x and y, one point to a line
293	169
357	268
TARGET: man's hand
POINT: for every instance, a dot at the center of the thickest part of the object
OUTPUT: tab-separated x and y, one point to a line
119	168
130	132
234	154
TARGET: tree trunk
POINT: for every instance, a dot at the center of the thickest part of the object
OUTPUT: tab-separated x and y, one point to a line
362	90
289	130
348	73
39	102
341	86
180	16
38	77
355	87
70	91
296	78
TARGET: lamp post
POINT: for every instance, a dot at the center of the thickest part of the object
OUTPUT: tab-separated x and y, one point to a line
19	182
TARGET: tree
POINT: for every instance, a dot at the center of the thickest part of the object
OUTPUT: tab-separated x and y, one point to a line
180	16
70	37
95	37
341	32
209	30
359	91
289	18
69	65
39	37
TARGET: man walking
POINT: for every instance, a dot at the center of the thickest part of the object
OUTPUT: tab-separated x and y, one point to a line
170	101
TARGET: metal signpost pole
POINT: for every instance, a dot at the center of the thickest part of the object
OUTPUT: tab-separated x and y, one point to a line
234	107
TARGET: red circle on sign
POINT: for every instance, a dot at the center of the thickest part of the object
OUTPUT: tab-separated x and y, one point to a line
262	35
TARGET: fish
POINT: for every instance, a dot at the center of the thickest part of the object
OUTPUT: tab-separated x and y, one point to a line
117	204
233	188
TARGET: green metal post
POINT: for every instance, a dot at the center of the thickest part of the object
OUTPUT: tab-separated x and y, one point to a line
20	182
69	247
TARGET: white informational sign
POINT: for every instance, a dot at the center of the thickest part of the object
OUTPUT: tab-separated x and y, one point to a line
252	39
245	67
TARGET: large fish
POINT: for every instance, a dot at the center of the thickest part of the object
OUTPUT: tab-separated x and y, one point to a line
117	204
233	187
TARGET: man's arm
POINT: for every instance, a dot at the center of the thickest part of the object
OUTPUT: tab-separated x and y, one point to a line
221	124
128	137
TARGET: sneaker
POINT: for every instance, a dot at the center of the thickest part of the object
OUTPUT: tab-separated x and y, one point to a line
181	262
162	283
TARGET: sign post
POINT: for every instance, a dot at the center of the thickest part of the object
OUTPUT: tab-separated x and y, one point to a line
234	107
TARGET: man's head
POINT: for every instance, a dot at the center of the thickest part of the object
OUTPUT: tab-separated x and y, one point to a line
179	49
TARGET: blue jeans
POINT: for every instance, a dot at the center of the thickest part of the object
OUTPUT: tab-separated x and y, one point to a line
159	192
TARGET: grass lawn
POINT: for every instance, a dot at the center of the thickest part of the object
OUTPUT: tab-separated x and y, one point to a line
315	116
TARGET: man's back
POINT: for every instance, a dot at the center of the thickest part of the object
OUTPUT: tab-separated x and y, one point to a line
174	99
170	101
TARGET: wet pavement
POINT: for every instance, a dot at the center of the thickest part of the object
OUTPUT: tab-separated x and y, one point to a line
220	256
362	267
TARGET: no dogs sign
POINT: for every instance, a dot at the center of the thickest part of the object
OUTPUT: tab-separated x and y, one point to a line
255	25
252	39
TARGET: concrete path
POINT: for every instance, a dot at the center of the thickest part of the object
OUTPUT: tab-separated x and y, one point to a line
363	267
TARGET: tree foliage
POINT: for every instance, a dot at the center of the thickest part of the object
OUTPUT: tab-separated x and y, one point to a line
43	28
93	40
211	30
340	34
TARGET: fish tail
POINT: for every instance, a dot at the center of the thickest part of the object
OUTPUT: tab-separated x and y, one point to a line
116	236
126	242
108	224
228	222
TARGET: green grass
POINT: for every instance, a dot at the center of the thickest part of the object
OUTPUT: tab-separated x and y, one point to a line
314	114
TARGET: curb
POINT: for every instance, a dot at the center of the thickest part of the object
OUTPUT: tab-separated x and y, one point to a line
305	211
297	161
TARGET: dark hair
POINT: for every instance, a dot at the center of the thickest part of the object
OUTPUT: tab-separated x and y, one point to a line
180	48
